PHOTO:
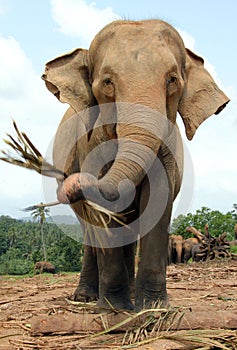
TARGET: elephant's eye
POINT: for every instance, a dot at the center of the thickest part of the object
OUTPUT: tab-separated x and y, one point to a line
172	79
172	84
108	87
107	81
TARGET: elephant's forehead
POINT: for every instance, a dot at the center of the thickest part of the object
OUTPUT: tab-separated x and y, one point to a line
144	28
133	33
134	44
128	39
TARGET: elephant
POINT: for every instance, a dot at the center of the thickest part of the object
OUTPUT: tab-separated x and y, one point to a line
136	76
198	253
175	248
234	242
44	266
188	245
71	146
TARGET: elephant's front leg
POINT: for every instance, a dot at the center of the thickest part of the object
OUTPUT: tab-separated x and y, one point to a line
151	276
129	256
113	279
87	289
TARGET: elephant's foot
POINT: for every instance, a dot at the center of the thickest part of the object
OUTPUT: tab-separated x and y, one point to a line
85	294
158	303
117	303
144	301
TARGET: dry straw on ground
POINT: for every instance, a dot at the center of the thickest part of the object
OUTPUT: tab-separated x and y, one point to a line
142	329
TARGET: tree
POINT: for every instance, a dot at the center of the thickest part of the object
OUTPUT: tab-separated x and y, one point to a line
21	245
217	222
235	212
39	215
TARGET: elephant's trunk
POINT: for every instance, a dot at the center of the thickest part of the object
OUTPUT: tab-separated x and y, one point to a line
140	132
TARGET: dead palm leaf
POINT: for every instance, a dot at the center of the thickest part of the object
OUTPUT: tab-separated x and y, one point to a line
26	155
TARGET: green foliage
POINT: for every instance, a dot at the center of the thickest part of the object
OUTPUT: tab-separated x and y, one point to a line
217	221
234	212
21	246
12	263
39	215
233	249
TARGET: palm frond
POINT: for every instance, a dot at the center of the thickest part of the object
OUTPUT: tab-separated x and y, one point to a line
26	155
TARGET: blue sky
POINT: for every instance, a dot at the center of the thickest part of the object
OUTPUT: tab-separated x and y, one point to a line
34	32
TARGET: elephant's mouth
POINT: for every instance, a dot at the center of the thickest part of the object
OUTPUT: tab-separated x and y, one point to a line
51	87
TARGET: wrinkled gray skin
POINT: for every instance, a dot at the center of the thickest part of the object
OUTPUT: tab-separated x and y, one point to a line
196	249
143	63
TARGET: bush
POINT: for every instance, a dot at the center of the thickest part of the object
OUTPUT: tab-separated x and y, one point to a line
233	249
217	221
21	246
16	267
13	263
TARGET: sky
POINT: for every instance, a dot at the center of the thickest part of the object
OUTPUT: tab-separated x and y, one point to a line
34	32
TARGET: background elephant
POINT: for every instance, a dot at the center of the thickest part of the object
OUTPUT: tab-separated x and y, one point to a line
175	249
234	242
140	74
198	253
44	266
188	245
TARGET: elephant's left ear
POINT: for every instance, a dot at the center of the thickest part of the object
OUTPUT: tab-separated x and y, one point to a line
67	77
201	97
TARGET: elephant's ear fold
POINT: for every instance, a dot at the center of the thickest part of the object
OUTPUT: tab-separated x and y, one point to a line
201	97
67	77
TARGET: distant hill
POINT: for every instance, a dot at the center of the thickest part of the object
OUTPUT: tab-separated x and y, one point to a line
64	219
56	219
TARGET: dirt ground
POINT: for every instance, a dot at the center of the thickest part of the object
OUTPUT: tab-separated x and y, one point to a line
209	287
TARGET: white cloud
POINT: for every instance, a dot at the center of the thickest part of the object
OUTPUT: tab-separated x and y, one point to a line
23	97
189	42
188	39
15	69
3	7
79	19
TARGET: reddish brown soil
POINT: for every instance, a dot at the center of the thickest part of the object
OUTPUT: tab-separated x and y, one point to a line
207	286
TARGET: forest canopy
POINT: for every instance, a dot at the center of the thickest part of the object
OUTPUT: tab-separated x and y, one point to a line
21	246
21	241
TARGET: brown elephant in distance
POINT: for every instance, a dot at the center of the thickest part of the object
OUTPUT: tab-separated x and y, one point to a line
234	242
175	249
188	245
44	266
140	75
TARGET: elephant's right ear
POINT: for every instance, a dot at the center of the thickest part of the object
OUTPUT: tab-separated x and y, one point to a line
201	97
67	77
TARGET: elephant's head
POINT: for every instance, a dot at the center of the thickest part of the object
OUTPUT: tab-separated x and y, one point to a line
176	247
144	68
146	64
